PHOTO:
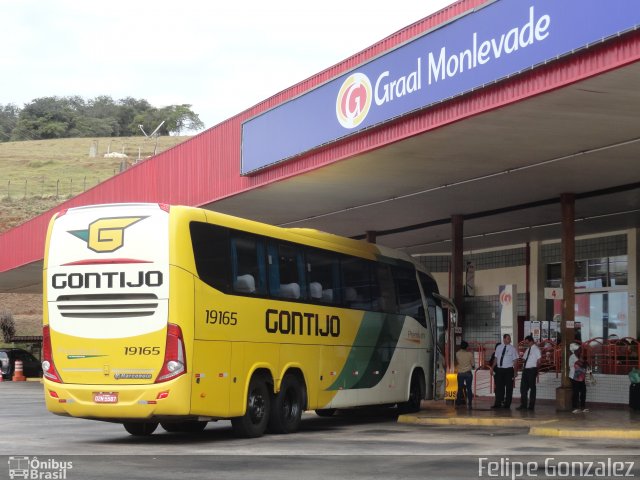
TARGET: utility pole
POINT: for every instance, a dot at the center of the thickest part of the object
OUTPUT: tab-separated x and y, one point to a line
153	134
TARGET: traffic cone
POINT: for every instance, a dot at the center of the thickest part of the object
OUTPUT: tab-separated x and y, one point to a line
18	375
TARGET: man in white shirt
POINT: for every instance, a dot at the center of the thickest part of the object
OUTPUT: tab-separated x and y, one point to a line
506	356
531	358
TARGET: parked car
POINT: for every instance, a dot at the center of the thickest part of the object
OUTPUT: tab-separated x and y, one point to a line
30	364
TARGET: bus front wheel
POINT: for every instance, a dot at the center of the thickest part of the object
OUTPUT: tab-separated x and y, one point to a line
140	429
287	406
255	420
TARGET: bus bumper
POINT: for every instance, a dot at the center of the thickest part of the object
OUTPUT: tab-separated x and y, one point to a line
117	402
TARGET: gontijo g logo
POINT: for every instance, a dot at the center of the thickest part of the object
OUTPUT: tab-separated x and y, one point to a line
106	234
354	100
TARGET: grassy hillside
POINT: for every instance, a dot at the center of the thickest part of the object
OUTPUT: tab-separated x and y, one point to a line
37	175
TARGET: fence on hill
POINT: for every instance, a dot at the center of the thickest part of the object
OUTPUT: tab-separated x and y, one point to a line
47	186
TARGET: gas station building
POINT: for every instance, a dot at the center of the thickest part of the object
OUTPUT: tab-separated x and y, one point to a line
496	141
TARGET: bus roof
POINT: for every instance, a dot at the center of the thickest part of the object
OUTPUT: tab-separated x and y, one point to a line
307	236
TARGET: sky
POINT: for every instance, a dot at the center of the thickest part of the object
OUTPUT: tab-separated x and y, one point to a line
219	56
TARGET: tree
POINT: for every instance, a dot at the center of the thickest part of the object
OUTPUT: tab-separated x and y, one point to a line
176	118
63	117
7	326
181	117
104	108
8	120
150	120
95	127
46	117
129	107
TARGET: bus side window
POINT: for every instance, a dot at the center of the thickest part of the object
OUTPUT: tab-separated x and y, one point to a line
286	272
248	264
409	297
322	275
211	254
357	282
387	301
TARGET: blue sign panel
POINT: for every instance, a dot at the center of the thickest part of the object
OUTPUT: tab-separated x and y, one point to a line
500	40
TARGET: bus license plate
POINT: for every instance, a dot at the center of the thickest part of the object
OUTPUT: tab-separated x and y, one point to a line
105	397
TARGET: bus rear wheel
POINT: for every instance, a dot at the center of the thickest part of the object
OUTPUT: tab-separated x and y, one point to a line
287	406
189	426
255	420
140	429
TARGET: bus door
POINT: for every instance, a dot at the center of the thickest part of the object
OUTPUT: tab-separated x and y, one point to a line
436	327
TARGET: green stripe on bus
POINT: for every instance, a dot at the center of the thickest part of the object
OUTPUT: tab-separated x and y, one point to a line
371	352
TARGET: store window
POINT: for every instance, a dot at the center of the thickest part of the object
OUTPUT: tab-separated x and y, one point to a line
601	297
592	273
554	275
618	269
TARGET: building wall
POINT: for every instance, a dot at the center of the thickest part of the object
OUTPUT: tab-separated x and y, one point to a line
508	266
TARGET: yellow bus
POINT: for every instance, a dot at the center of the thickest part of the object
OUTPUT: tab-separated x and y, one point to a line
172	315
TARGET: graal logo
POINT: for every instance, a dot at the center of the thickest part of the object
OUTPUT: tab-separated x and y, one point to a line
106	234
32	468
354	100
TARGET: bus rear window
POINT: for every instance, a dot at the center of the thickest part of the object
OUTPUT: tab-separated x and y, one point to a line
211	254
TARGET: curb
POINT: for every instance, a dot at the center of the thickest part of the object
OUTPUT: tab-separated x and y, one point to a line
584	433
540	428
471	421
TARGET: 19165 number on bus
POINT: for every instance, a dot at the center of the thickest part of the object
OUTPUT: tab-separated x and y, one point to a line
142	350
220	317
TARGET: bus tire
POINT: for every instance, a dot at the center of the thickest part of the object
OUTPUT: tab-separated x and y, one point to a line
287	406
416	392
326	412
140	429
255	420
189	426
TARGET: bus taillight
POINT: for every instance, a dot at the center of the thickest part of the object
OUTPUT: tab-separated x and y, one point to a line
175	363
48	368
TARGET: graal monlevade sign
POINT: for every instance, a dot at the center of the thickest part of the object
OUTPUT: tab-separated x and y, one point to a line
482	47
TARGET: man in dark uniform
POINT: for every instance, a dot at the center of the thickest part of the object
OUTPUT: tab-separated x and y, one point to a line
503	363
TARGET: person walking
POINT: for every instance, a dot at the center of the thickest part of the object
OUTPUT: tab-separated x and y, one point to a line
465	363
530	366
578	375
506	356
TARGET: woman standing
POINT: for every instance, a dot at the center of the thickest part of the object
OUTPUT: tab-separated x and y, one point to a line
578	375
464	360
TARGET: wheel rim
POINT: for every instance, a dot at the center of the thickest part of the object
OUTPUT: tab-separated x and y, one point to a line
290	404
256	406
